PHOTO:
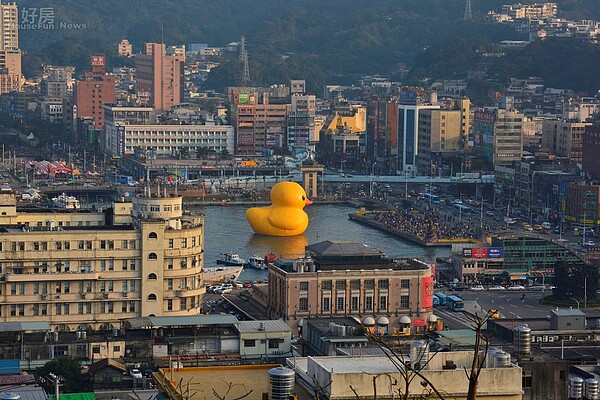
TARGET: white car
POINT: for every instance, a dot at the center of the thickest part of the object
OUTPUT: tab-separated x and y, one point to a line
497	288
477	288
224	290
516	287
135	373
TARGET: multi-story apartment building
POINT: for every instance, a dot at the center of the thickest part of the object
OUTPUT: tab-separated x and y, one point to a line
530	11
301	121
582	203
564	138
124	48
90	270
94	91
159	77
127	128
10	55
342	278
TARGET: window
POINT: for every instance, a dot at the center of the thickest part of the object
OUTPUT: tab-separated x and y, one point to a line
151	297
152	235
152	256
340	285
326	304
405	283
273	343
169	263
369	283
171	243
152	277
355	284
383	302
183	243
326	285
526	382
183	303
303	285
303	304
249	343
354	303
383	283
404	302
368	302
58	246
169	305
340	304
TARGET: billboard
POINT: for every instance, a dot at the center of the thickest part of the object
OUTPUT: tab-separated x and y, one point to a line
245	98
427	294
483	252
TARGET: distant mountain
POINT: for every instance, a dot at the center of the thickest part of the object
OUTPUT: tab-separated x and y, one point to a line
324	41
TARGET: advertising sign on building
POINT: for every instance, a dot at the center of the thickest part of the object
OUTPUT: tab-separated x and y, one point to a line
483	252
495	252
120	140
479	252
467	253
427	294
98	61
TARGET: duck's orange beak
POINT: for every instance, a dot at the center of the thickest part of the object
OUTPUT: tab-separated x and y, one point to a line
308	201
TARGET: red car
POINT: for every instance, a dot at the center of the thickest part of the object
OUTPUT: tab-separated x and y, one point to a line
247	284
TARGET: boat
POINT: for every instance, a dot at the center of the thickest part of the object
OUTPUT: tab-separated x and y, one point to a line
257	262
66	202
231	259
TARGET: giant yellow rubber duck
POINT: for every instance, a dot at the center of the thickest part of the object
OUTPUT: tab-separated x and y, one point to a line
285	216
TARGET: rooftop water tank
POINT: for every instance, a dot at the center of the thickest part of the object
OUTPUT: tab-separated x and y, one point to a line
490	360
502	359
575	387
591	389
281	383
522	340
419	354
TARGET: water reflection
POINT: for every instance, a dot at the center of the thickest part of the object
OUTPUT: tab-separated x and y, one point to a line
282	247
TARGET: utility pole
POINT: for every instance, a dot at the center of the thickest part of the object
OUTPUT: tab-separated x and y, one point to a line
468	11
57	381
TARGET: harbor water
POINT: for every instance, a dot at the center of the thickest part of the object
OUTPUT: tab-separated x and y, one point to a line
226	230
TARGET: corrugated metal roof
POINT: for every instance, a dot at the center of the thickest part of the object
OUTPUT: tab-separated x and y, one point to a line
24	326
263	326
29	392
341	248
193	320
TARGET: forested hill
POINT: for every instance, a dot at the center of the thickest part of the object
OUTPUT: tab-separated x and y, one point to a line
323	39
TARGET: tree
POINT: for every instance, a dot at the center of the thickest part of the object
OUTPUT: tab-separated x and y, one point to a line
480	350
575	281
69	369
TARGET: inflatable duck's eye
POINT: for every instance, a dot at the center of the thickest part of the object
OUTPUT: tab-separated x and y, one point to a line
303	198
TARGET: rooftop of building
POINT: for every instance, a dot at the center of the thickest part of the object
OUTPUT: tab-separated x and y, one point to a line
263	326
334	248
330	328
191	320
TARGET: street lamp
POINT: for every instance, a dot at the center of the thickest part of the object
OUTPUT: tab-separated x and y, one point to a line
573	298
371	179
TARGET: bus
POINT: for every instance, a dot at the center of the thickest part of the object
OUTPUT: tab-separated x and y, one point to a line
431	198
442	298
455	303
436	300
461	208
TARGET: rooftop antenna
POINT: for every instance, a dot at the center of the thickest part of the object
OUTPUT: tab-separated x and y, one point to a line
468	11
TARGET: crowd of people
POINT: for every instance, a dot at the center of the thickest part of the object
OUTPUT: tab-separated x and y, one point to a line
431	225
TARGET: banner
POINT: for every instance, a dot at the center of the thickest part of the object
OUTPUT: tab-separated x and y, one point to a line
427	294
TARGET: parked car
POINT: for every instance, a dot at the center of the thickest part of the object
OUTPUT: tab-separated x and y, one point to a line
224	290
135	373
516	287
216	288
497	288
536	288
459	287
477	288
589	243
247	284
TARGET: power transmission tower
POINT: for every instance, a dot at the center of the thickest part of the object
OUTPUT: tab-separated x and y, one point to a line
468	11
244	59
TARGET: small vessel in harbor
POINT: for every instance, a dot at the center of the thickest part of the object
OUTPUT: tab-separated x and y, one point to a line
232	259
66	202
257	262
270	258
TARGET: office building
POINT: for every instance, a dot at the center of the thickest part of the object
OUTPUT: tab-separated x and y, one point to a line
409	110
10	54
582	204
497	135
94	91
564	138
341	278
128	128
81	270
159	77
